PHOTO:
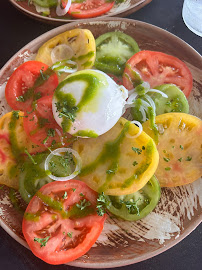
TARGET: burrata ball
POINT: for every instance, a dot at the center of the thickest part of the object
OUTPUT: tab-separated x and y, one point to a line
88	103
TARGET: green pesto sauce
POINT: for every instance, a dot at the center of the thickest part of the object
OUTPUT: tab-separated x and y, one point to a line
32	217
86	133
142	167
90	92
136	79
13	137
87	64
111	151
88	55
41	79
153	126
55	205
73	213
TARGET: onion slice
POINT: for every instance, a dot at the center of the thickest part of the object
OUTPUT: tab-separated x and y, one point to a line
140	130
62	11
58	152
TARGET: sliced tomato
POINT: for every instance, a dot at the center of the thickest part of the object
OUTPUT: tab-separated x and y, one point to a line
157	68
40	125
90	8
61	222
179	147
26	82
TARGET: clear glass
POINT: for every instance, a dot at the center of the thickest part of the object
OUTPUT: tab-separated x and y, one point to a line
192	15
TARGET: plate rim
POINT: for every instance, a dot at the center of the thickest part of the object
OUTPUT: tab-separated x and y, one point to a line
125	12
184	233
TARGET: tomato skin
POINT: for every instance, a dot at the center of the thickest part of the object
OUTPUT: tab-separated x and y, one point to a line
36	132
90	8
23	79
158	68
55	252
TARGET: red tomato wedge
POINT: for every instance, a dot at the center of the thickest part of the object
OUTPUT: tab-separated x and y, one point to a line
60	223
28	78
157	68
90	8
40	124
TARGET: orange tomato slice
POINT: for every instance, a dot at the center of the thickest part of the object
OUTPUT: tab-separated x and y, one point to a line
179	145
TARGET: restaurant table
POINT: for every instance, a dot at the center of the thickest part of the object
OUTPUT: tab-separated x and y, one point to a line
16	31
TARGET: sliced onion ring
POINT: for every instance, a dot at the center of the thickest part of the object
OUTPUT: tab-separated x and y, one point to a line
62	11
140	130
58	152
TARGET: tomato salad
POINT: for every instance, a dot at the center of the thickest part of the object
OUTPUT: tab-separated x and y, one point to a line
72	154
76	9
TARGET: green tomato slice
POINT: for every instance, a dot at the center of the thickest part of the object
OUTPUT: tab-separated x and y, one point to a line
137	205
46	3
113	50
176	101
33	176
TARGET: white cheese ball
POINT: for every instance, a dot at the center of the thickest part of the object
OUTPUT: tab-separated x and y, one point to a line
88	103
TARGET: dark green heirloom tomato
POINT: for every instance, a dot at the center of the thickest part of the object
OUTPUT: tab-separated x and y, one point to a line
136	205
113	49
175	102
33	176
46	3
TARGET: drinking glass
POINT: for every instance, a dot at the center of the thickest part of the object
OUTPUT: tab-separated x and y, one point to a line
192	15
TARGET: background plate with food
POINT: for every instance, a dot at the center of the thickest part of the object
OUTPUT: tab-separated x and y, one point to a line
179	209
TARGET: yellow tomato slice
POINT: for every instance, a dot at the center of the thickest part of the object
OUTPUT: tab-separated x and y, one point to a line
114	162
13	142
77	45
179	145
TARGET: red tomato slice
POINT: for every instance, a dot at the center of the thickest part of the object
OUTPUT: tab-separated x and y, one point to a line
40	123
90	8
24	79
158	68
55	228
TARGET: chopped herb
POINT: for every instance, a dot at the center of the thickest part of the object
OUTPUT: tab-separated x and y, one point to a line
83	204
132	206
42	241
167	168
70	234
168	103
20	99
74	189
188	158
110	171
101	204
15	114
181	147
65	195
81	194
166	159
135	163
66	111
173	146
164	151
180	159
64	233
1	187
137	150
143	147
51	132
33	161
53	142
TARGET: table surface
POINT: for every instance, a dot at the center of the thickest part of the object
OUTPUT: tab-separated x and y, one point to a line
15	32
